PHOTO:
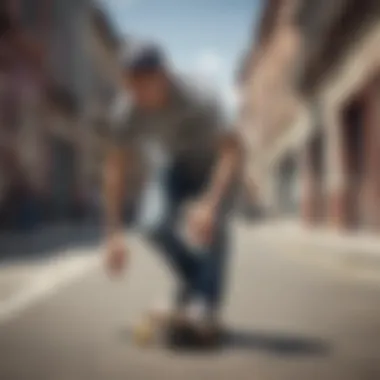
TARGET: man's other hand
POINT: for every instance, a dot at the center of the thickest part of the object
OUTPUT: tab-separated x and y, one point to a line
201	222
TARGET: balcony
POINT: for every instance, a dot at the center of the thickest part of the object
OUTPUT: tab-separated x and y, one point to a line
314	17
328	30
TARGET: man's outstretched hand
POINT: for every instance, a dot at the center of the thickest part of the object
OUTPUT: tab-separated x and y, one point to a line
117	254
201	222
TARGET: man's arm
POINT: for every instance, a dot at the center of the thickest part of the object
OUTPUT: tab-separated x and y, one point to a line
114	191
227	169
118	164
203	218
114	188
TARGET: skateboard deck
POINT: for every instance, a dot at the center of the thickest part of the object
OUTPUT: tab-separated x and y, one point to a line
173	332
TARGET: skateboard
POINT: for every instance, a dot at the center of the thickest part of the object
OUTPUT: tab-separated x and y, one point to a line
173	332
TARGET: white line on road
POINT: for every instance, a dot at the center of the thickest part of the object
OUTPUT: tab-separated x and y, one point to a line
52	279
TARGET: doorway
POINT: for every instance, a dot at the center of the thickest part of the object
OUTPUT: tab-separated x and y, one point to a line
316	159
353	148
288	186
63	179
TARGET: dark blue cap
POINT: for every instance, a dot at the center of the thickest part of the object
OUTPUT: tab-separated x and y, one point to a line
145	59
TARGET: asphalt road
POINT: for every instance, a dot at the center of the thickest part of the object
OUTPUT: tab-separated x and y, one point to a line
288	319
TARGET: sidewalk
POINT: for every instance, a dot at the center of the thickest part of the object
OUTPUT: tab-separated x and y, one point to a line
357	247
32	264
24	284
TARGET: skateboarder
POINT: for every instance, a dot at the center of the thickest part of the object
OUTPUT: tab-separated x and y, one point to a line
202	162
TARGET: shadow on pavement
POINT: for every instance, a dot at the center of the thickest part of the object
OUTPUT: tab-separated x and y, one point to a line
276	343
46	242
269	342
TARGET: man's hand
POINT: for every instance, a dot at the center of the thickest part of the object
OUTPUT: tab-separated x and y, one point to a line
203	214
114	191
201	222
116	254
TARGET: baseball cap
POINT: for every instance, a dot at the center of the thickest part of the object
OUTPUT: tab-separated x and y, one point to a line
145	59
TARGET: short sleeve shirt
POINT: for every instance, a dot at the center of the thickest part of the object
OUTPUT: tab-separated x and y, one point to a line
188	129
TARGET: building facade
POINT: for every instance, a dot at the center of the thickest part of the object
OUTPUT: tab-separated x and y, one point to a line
321	159
86	75
72	89
270	106
48	81
340	78
23	26
108	52
105	47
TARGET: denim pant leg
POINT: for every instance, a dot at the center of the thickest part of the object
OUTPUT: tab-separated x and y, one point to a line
180	258
210	280
200	273
157	219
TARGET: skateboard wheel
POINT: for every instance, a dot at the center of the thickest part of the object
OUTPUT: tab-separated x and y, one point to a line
144	333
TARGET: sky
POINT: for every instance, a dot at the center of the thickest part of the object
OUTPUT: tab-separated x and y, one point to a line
204	39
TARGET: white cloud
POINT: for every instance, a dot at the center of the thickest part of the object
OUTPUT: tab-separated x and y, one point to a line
209	72
231	98
206	71
208	63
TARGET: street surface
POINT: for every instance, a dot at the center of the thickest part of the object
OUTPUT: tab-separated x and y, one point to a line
289	318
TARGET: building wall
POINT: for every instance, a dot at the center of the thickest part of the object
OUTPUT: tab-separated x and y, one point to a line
21	93
271	105
74	68
357	71
279	122
106	84
55	32
68	59
106	60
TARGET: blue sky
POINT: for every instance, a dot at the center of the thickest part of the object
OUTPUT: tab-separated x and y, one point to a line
204	38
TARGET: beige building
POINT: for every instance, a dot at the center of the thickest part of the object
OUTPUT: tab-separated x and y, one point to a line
270	105
311	90
340	78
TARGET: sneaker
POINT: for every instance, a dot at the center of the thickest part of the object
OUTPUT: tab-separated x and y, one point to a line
162	310
197	312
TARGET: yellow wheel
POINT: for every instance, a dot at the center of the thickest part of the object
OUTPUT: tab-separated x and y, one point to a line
144	332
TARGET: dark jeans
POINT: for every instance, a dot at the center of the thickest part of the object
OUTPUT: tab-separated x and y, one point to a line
200	274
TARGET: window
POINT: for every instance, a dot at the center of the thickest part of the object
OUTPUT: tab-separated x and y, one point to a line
29	13
5	18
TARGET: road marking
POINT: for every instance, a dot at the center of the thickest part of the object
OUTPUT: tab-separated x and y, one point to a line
53	278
